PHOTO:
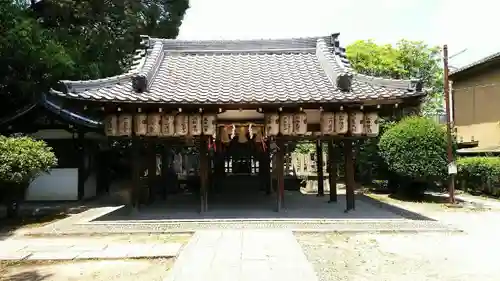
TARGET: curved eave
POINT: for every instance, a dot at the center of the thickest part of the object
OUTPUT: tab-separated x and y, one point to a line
7	120
403	84
346	101
69	115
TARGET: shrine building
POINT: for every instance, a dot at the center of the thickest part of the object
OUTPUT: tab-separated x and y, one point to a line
232	101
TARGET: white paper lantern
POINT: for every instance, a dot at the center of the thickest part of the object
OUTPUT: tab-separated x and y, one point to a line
224	134
327	123
195	124
209	125
341	123
167	125
125	125
272	124
371	128
154	124
111	125
286	124
181	125
356	123
300	123
141	124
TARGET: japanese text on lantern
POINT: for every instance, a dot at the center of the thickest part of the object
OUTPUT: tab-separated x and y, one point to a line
167	125
182	124
195	124
125	125
111	125
341	125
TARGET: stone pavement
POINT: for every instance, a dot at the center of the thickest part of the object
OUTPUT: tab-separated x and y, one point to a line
71	249
238	255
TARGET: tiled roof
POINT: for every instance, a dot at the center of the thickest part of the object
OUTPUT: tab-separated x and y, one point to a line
303	70
482	61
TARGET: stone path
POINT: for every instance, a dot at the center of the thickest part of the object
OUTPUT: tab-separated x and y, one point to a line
77	249
238	255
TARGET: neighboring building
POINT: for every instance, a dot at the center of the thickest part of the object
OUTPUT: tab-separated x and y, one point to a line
476	100
237	102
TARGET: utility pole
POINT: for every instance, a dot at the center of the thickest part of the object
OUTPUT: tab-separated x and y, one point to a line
451	164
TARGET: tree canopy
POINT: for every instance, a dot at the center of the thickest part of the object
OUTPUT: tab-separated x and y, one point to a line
46	41
404	60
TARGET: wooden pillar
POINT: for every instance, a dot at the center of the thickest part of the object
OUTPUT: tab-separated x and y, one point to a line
332	170
136	172
151	166
319	168
349	175
165	165
265	171
81	166
203	174
219	166
280	173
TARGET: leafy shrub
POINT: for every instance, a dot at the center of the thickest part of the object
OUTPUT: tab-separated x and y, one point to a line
369	160
478	173
22	159
415	149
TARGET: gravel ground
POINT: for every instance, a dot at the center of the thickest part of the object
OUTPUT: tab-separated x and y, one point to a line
396	257
109	270
472	255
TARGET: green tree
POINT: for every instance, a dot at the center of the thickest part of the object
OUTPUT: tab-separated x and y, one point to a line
30	58
415	148
405	60
102	35
22	159
48	40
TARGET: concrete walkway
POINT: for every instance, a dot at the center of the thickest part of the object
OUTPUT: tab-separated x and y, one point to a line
238	255
77	249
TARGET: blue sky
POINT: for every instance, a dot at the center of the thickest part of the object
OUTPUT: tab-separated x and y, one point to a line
460	23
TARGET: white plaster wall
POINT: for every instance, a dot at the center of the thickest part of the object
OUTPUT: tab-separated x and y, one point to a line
60	184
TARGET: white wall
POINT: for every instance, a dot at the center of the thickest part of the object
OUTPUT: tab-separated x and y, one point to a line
60	184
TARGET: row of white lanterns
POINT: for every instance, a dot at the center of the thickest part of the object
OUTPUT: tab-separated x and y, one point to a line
332	123
160	125
168	125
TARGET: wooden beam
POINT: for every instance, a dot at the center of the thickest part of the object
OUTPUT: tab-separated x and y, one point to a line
136	173
264	170
280	164
151	158
203	175
349	175
81	166
319	168
332	170
165	181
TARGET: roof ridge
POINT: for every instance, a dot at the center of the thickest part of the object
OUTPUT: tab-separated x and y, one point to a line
340	53
328	61
237	40
152	61
240	44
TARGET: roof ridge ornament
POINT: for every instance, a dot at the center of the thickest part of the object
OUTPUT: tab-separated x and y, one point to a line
344	81
140	83
145	41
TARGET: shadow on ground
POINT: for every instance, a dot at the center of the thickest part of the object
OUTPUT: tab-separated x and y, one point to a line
33	215
31	275
261	206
